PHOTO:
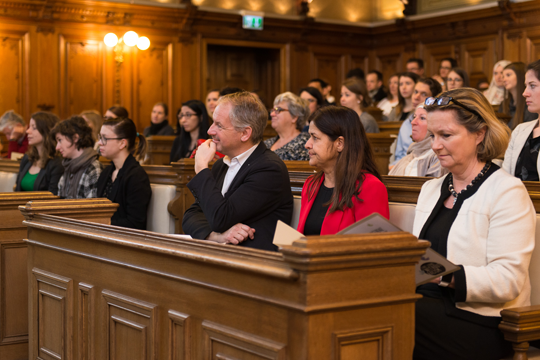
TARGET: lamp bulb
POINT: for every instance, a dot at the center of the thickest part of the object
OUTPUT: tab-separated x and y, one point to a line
130	38
110	40
143	43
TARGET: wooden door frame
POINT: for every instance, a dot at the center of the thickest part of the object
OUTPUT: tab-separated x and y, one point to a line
284	78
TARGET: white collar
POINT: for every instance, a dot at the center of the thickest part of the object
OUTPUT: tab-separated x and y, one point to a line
240	158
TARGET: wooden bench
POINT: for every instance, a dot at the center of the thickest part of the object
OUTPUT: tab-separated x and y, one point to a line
158	150
13	258
389	127
104	292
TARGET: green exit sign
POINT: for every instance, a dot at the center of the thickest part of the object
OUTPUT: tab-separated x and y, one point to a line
252	22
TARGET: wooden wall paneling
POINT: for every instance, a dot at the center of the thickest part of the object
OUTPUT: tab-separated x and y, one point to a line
86	316
478	56
14	70
515	46
179	336
531	45
329	66
434	53
52	315
81	74
45	88
388	60
130	327
360	344
152	79
300	70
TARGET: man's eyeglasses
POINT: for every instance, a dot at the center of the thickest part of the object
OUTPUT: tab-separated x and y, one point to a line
181	115
278	110
104	139
445	100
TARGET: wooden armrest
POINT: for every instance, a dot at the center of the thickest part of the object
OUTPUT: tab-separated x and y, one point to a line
519	326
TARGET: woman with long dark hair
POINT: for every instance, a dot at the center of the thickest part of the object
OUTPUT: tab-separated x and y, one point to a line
514	104
124	181
192	126
348	186
40	168
403	109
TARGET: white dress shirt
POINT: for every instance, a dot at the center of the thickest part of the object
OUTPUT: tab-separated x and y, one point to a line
234	165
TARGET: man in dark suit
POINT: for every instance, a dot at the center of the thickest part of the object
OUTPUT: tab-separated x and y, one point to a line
241	199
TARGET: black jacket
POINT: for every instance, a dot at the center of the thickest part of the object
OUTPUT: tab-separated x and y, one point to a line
48	177
259	196
379	95
131	190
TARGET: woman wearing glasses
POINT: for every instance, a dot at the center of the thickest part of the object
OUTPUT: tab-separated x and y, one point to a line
40	168
124	181
514	104
289	115
81	162
355	96
457	78
521	158
348	186
469	216
192	125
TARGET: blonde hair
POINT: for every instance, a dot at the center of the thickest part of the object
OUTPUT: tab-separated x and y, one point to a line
298	107
497	134
97	120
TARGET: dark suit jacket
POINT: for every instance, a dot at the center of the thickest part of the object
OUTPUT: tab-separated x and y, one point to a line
379	95
259	196
131	190
48	177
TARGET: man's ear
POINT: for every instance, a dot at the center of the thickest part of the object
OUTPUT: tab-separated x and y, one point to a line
246	134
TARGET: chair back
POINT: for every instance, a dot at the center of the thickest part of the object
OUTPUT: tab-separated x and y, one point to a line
158	218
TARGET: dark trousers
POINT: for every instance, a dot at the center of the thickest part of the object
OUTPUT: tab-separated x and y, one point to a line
441	336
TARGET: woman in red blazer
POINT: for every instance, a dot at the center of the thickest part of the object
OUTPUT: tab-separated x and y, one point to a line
348	186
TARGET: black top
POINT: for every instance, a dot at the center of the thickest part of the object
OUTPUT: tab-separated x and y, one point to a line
131	190
526	163
318	211
436	230
48	177
259	196
404	116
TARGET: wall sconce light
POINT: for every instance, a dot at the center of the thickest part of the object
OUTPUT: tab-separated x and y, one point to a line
130	38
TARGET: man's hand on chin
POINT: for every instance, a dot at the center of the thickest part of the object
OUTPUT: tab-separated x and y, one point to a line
234	235
205	154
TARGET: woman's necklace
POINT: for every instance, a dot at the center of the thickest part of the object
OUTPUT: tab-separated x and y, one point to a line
475	180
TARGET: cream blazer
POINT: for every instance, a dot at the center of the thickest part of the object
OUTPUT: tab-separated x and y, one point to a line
517	141
493	238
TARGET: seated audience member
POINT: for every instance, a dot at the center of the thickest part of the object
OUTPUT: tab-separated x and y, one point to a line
229	90
241	199
40	168
482	84
405	91
424	88
124	181
521	158
314	99
354	95
193	125
457	78
160	122
325	90
81	162
14	127
416	66
495	93
481	219
356	73
420	159
347	187
211	101
374	84
445	66
94	119
392	98
289	116
514	104
116	111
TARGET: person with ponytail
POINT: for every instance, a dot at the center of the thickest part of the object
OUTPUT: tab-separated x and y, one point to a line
124	181
348	186
82	168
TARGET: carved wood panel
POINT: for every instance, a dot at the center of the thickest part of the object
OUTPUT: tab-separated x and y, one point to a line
52	303
130	327
225	343
179	336
81	74
532	45
86	323
434	53
153	68
388	61
13	293
478	57
372	344
14	72
330	68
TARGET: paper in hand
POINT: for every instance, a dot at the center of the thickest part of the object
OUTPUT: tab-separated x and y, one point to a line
285	235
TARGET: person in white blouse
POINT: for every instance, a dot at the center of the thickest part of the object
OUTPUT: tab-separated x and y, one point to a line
481	219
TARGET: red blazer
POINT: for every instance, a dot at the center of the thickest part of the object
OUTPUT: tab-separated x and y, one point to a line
375	200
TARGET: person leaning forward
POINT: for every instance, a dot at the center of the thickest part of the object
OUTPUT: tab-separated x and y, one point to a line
241	199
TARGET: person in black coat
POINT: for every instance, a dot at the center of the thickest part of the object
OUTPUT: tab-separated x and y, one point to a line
40	169
241	199
192	125
124	181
